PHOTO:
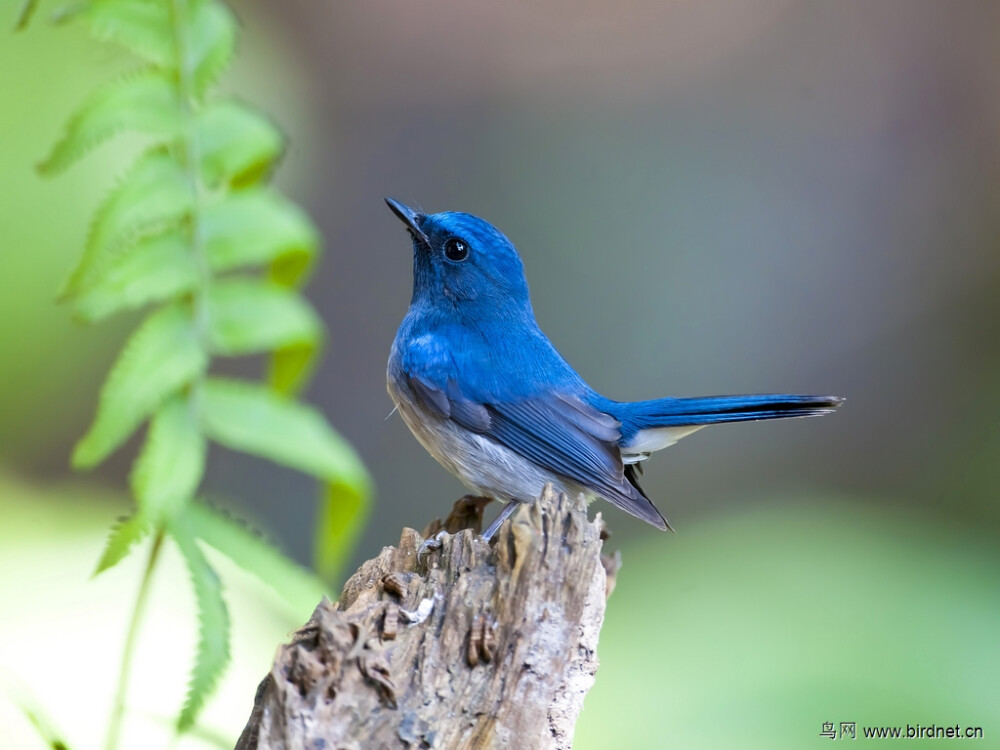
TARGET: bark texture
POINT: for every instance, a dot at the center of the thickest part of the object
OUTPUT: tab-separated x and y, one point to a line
469	646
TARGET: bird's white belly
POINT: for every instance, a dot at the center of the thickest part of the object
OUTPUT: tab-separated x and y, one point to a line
483	465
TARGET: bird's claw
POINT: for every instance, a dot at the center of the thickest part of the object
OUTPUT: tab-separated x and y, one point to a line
430	545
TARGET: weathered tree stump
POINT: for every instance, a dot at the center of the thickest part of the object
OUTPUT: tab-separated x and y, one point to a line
469	646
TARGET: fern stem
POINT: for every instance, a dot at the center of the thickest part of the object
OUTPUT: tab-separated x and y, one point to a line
191	157
118	708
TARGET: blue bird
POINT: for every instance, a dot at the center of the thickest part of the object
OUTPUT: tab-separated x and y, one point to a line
485	392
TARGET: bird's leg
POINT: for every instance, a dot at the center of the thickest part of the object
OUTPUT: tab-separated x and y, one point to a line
434	542
503	515
467	514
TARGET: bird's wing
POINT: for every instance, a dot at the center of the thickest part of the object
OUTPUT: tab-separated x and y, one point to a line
560	433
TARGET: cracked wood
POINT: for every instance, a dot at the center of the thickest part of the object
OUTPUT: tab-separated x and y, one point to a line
470	646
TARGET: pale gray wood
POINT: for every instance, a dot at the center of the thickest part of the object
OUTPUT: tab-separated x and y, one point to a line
468	647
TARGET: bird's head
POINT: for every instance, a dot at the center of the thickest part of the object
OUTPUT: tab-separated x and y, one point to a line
463	262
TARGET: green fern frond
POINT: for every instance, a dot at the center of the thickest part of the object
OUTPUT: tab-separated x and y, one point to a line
123	537
154	269
343	512
144	102
254	419
250	316
256	227
162	356
168	470
212	654
290	367
153	196
141	27
238	145
147	29
300	588
192	209
212	43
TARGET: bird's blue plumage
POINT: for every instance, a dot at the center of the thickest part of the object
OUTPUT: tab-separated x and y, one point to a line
487	394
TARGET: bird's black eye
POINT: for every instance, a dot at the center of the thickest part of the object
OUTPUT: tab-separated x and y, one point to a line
456	250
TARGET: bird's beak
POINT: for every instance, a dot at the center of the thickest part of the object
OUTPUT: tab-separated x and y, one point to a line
409	217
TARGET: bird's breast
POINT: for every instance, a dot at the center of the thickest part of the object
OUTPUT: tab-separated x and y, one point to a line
481	464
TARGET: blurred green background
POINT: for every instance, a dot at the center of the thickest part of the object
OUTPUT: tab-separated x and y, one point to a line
710	197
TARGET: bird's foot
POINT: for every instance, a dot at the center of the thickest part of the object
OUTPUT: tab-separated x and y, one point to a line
430	545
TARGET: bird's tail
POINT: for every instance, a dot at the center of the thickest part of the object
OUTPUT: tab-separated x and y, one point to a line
678	412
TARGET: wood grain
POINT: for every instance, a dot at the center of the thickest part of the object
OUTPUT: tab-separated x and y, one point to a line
470	646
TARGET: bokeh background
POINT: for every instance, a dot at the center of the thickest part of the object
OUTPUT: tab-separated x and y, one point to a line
709	197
